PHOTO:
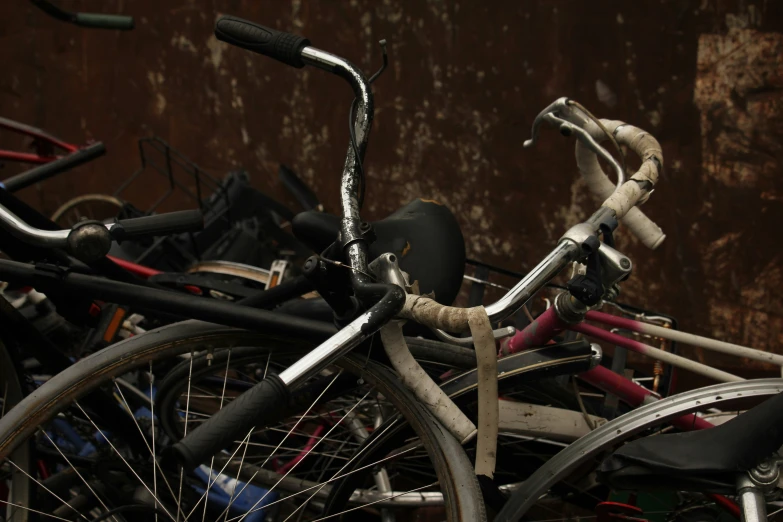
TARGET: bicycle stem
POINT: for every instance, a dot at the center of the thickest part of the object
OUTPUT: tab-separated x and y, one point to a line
565	252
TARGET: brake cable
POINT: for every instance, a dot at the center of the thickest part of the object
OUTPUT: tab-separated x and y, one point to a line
603	129
352	130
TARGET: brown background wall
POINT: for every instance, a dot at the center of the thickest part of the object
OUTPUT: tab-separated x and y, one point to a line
465	82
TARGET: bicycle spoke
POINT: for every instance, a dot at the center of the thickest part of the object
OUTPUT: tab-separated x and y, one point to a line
582	517
212	460
267	365
234	488
74	469
155	463
334	478
281	443
295	450
375	502
43	486
305	434
108	441
346	415
5	399
323	472
32	510
411	448
211	482
187	408
154	458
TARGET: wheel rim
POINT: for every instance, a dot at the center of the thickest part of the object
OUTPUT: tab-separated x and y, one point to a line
158	481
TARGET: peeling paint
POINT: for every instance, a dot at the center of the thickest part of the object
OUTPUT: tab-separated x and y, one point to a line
215	48
182	43
464	83
739	91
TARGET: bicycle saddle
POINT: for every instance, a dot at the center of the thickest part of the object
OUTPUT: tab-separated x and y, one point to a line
706	461
423	234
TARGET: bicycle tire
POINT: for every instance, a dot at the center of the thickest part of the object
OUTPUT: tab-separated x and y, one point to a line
624	427
79	200
454	472
12	392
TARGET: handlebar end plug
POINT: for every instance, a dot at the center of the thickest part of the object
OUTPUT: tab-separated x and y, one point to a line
89	241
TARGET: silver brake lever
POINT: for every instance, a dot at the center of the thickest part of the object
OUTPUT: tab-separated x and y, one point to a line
559	105
500	333
555	114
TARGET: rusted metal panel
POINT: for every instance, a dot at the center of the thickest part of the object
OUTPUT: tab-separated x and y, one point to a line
466	80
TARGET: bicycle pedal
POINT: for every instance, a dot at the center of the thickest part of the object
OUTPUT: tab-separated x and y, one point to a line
276	273
110	319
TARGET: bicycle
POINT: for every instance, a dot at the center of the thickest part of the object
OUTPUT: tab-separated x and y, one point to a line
468	508
228	424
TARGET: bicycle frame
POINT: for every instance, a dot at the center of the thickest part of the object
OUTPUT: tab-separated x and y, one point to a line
553	321
623	428
43	143
55	280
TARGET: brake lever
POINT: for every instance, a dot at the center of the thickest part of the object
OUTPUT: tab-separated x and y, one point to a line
385	64
552	115
560	104
498	334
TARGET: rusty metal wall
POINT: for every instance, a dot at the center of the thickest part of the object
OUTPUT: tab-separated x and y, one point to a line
466	80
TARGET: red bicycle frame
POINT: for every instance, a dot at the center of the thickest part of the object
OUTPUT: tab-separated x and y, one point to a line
44	144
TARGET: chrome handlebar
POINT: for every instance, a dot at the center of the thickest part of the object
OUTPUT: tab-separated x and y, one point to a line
351	236
30	235
89	241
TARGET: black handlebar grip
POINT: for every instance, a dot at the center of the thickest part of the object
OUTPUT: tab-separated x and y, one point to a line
47	170
283	47
104	21
261	404
159	225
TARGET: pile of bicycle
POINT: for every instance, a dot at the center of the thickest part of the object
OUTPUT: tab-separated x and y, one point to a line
241	361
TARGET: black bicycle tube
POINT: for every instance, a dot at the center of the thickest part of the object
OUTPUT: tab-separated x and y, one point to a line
288	289
47	170
211	310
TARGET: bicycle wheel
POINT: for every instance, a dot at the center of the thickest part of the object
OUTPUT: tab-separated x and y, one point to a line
246	483
88	206
14	482
574	465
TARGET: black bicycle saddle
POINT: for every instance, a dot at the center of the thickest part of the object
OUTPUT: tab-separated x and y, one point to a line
706	461
423	234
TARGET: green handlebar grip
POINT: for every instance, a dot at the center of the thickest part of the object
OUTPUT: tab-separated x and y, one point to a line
104	21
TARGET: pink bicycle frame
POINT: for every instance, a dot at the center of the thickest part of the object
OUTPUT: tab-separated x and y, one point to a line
548	325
